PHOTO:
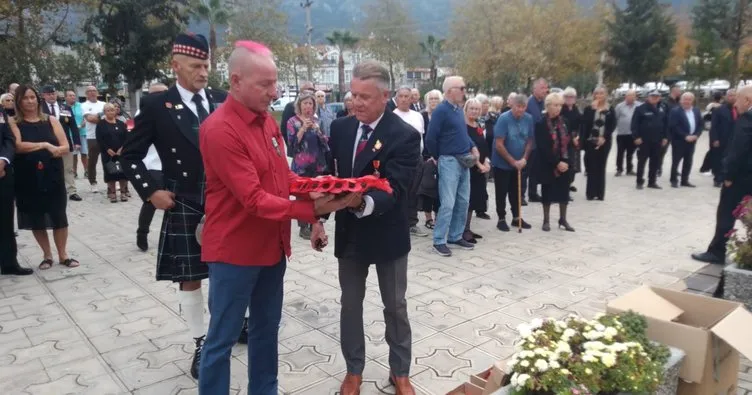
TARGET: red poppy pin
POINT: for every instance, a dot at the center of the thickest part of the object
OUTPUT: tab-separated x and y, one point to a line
40	166
376	164
168	105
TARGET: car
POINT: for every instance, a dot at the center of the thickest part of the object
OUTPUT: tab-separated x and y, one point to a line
335	107
279	104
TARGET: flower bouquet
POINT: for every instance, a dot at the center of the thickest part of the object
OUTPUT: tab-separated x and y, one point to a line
607	355
740	243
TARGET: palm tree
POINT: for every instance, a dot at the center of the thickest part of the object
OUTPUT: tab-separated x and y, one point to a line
342	40
214	12
433	48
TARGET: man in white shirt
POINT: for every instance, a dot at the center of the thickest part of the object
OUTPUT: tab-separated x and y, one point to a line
624	141
92	109
413	118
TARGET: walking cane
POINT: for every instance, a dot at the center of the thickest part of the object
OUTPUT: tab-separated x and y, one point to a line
519	201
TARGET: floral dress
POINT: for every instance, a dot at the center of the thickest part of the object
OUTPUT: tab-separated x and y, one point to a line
309	154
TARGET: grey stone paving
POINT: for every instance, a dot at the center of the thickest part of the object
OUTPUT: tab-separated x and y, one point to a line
109	328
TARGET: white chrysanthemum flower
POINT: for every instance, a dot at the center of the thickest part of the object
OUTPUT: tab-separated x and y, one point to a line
513	380
588	358
554	365
541	365
600	327
540	351
524	330
522	379
525	364
568	333
588	371
512	363
611	331
536	323
609	360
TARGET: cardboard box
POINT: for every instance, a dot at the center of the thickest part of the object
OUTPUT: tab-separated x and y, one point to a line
711	331
490	379
466	389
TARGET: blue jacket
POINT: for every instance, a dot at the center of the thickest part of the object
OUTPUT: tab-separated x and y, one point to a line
678	124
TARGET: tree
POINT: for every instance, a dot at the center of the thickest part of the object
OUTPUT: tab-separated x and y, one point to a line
28	32
136	37
213	12
65	69
641	37
729	23
501	44
390	32
343	41
433	48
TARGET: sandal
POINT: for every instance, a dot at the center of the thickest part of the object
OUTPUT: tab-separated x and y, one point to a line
430	224
70	263
46	264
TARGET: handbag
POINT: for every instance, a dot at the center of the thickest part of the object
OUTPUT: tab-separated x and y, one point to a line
467	160
113	168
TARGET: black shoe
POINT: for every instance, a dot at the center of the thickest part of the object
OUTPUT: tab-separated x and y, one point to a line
654	186
535	198
243	338
442	250
572	188
674	184
75	197
502	226
546	227
461	243
16	270
590	198
475	235
717	184
524	202
659	173
525	225
640	186
688	185
564	224
631	173
482	216
197	356
618	173
142	241
708	257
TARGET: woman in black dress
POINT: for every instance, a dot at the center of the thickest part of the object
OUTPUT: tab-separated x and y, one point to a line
573	117
41	197
478	180
111	137
598	124
555	145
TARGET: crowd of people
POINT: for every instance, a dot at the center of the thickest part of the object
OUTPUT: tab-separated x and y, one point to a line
220	168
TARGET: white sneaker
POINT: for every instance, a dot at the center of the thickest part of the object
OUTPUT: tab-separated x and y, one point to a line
93	189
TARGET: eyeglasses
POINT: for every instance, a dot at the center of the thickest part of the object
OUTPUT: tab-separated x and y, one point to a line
462	88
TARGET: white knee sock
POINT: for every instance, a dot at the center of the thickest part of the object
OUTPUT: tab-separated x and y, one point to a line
192	306
247	312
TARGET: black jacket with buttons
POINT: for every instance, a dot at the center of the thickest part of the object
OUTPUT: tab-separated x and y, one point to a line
650	123
167	123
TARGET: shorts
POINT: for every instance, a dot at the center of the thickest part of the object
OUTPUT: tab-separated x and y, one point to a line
84	150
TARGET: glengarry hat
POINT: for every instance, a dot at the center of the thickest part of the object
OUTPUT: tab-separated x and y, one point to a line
193	45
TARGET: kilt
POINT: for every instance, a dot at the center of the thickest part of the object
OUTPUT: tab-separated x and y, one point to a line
179	255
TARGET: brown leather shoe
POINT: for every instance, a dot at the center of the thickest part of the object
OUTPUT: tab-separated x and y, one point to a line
403	385
351	385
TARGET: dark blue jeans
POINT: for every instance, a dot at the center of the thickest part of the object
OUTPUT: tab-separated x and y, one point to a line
232	288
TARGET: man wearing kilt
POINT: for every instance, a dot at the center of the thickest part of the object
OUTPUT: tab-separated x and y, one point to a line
170	121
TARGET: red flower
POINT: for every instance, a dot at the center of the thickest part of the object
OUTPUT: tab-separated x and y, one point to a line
40	166
730	233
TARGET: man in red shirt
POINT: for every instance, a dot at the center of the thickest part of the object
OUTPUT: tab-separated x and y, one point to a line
246	237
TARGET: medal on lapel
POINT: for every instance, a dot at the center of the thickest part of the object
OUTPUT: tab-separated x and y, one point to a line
376	165
336	168
275	144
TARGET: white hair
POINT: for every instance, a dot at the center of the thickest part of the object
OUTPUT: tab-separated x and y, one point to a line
688	94
569	92
348	96
448	82
553	97
372	70
6	96
482	98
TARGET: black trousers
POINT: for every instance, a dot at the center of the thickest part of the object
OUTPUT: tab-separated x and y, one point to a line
716	162
8	247
147	209
412	195
724	219
682	151
505	184
530	180
595	166
625	149
648	151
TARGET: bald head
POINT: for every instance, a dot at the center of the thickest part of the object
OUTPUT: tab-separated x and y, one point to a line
158	87
253	75
454	89
744	99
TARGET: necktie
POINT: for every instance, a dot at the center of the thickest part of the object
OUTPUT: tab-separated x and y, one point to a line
363	139
200	110
52	110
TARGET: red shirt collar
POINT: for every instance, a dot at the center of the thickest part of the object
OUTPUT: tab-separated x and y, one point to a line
248	117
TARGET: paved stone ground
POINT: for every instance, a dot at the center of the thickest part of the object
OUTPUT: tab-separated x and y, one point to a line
109	328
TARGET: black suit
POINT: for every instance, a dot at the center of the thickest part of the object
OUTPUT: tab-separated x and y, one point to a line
68	121
8	248
721	128
682	150
391	104
381	238
166	122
